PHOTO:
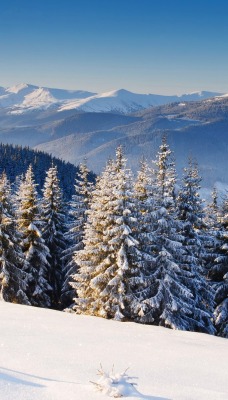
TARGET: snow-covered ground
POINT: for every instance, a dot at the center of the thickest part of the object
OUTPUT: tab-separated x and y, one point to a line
50	355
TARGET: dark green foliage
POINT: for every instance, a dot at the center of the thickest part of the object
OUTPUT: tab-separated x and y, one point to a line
218	273
13	277
15	161
33	245
53	228
74	236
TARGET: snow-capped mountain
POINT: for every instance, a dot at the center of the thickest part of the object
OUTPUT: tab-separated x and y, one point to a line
23	98
38	98
124	101
73	125
121	101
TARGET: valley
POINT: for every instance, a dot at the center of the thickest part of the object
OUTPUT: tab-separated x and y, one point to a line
74	125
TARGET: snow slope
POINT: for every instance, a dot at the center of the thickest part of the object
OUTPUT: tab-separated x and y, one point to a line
50	355
39	98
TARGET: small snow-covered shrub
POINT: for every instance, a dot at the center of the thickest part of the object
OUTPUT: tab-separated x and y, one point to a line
114	384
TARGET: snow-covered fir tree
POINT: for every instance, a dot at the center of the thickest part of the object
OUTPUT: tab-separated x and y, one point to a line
143	184
190	206
165	175
110	261
144	190
191	213
155	206
196	239
13	277
212	210
15	196
172	299
74	236
53	229
33	245
212	218
143	194
218	273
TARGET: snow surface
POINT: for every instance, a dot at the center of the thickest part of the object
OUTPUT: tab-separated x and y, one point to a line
51	355
17	88
39	98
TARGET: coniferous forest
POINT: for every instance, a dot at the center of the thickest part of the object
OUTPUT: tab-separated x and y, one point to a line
144	249
15	161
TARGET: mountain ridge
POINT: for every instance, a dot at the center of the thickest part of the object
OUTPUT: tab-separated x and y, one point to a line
194	128
25	97
197	129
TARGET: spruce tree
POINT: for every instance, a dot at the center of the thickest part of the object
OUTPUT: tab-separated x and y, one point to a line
53	229
144	191
197	240
13	277
211	222
171	300
144	200
110	261
218	273
74	235
212	211
191	214
159	232
33	245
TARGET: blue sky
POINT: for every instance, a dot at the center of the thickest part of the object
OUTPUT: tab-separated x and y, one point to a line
147	46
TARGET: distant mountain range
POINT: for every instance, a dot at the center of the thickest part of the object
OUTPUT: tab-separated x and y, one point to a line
76	124
23	98
194	129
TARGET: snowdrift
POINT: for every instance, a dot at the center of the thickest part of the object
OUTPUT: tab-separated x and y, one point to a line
51	355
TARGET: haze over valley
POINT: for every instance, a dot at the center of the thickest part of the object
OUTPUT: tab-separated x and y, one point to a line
77	124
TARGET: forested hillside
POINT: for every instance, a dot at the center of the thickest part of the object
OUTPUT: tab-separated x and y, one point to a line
142	249
15	160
